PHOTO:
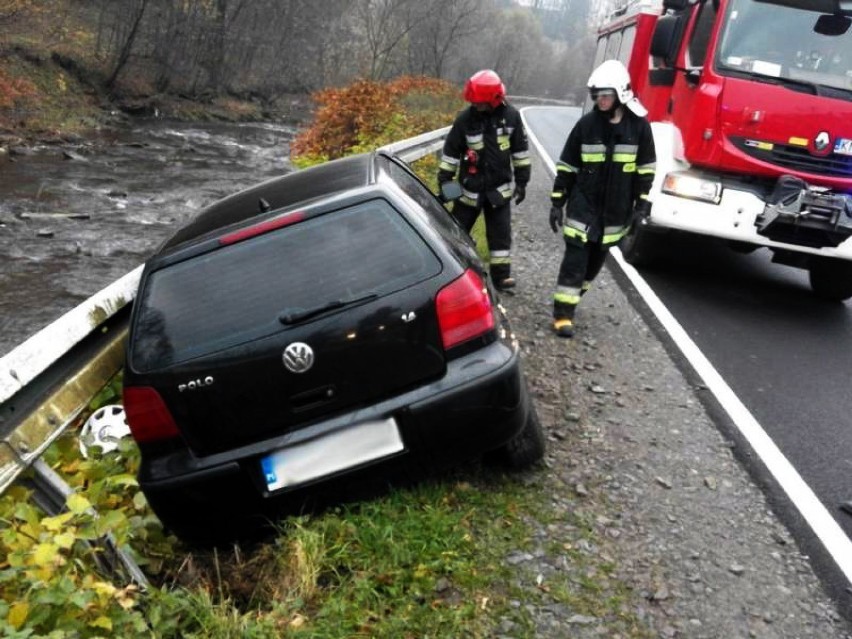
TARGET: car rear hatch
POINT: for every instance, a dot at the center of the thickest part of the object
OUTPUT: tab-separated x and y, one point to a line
268	333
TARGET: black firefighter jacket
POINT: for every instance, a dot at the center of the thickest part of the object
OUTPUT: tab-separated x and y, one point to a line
486	148
604	170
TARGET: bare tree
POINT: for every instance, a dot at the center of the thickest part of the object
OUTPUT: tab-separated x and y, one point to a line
267	48
126	29
385	23
443	28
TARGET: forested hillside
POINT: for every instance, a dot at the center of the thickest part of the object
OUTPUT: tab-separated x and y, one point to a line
63	63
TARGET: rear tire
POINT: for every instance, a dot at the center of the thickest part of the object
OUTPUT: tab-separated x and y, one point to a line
640	247
525	448
831	279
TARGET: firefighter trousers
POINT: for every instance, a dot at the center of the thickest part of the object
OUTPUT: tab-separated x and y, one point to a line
581	263
498	233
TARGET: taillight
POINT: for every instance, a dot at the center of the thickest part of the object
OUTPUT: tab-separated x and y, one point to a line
464	310
262	227
147	415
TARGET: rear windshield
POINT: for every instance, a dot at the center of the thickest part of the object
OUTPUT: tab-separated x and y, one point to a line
238	292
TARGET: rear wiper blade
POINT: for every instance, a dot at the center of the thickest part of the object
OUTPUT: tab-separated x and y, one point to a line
300	316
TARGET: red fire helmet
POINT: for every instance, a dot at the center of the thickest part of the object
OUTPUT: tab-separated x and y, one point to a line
485	87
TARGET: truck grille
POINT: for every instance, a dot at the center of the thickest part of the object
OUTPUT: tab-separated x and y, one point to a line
800	159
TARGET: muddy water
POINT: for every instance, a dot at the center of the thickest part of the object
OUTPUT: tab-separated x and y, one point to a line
74	219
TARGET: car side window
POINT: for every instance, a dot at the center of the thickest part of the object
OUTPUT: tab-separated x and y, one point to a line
419	192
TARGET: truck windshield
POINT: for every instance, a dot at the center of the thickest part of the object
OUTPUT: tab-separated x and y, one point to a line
777	41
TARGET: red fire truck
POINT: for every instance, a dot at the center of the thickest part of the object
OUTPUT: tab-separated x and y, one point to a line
750	102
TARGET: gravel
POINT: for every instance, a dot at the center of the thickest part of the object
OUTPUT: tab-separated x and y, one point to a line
682	543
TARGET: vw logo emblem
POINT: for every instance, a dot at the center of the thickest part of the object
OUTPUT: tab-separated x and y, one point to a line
821	141
298	357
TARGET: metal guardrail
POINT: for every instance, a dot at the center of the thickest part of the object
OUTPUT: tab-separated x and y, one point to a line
47	382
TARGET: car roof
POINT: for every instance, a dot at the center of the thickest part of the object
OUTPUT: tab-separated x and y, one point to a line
299	186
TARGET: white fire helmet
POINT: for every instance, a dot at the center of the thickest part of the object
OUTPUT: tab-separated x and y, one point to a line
612	74
103	429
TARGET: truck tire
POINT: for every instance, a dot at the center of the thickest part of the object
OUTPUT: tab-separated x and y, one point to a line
526	448
831	279
640	246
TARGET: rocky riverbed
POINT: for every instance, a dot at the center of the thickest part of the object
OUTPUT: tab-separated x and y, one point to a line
677	518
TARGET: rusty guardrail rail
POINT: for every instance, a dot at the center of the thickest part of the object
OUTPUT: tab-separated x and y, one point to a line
47	382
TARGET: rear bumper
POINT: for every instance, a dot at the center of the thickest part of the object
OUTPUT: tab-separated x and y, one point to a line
478	405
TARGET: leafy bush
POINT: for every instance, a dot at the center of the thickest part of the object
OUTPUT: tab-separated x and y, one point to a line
367	114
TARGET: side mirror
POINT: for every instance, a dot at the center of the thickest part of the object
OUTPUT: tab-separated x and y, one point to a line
665	42
450	191
693	77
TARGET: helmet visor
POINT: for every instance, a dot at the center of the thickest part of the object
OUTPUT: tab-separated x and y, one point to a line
602	93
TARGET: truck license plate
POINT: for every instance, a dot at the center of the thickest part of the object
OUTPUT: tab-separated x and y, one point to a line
843	146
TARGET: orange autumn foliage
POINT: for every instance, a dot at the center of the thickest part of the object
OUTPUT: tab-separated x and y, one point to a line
367	114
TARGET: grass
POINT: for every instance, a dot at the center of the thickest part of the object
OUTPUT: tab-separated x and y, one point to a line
425	561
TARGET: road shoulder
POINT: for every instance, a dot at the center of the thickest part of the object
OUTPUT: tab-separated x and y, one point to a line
633	451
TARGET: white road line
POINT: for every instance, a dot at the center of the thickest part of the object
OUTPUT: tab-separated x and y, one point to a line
824	526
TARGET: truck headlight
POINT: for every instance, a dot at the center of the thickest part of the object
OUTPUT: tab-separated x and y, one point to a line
694	188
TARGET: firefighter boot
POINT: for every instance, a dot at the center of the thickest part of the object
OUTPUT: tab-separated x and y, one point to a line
563	327
505	284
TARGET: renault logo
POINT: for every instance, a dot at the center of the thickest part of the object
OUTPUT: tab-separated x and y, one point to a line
821	141
298	357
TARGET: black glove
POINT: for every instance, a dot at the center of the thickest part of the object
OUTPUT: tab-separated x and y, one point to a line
555	218
641	210
520	193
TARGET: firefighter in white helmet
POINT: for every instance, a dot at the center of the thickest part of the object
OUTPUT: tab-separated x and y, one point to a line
604	174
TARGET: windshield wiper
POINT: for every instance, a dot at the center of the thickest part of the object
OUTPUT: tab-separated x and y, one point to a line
333	305
800	85
809	87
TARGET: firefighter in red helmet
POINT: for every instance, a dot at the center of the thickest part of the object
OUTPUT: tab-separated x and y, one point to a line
487	149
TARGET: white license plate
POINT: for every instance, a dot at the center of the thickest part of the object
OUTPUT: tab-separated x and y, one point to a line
342	449
843	146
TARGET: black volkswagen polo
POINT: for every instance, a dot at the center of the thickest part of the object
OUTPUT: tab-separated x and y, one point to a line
326	326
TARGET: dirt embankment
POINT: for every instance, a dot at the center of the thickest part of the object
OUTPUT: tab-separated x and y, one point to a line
632	449
51	97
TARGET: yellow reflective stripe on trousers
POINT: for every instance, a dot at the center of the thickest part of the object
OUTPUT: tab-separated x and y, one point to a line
567	295
613	234
501	257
